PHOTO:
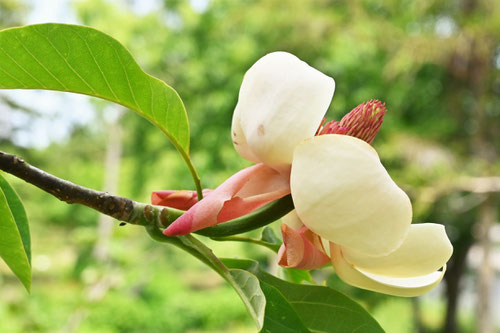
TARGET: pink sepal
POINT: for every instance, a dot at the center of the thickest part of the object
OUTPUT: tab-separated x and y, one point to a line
182	199
301	249
244	192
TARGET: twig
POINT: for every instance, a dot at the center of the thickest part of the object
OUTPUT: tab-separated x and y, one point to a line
120	208
271	246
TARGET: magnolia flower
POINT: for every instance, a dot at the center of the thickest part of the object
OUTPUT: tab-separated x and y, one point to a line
347	208
342	193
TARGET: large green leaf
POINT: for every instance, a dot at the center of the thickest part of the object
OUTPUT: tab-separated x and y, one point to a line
280	315
267	306
15	248
83	60
321	309
248	287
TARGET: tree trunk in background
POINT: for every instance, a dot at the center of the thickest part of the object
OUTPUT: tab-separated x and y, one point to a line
98	290
480	55
453	279
417	315
112	171
487	217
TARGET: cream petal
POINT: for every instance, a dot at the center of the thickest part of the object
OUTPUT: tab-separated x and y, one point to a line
425	250
343	193
240	141
408	287
292	220
281	102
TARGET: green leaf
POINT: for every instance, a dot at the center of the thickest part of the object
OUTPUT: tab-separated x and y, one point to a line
280	315
251	294
83	60
269	309
269	236
321	309
296	275
15	247
19	214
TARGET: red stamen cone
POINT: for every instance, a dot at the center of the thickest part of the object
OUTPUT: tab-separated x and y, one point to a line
332	127
364	121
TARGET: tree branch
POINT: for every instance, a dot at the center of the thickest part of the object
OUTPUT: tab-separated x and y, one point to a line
120	208
127	210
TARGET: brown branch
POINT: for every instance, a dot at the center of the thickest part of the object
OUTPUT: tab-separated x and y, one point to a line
120	208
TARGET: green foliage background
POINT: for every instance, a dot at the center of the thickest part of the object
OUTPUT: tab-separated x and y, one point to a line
435	63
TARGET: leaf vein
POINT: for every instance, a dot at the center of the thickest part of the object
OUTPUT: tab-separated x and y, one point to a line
126	75
97	64
359	327
22	68
276	322
325	304
67	63
40	63
13	77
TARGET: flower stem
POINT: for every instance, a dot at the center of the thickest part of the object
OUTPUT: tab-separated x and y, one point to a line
271	246
193	172
267	214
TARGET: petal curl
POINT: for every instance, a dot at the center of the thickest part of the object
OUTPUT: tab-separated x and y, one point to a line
176	199
282	101
425	250
407	287
301	249
343	193
292	220
243	192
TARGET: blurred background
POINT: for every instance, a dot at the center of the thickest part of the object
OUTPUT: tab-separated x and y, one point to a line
435	63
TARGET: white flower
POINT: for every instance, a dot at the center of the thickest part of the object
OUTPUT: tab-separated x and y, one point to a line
340	189
282	101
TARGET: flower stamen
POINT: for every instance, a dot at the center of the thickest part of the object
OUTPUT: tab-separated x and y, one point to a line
332	127
363	122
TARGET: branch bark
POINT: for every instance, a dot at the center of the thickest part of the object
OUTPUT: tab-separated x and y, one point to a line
120	208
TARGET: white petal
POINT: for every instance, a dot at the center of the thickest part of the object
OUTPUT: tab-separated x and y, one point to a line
240	141
292	220
409	287
424	251
281	102
343	193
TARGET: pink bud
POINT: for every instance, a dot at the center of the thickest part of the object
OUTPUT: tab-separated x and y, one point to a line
176	199
242	193
301	249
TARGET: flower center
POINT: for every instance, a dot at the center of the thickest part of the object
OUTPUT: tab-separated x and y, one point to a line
363	122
